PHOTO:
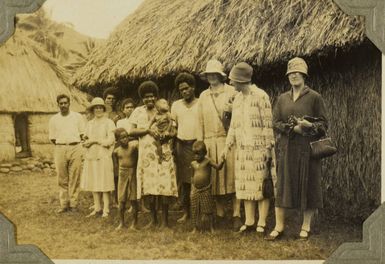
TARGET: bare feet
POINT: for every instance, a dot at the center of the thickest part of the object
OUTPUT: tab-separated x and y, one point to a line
105	214
183	219
164	226
150	225
94	213
133	227
120	227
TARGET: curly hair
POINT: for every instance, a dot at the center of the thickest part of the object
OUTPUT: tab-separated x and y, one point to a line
110	90
126	101
117	132
148	87
199	145
61	96
185	77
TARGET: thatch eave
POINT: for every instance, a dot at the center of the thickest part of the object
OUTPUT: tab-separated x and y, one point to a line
168	36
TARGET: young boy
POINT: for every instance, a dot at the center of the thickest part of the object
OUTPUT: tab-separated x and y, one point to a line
162	127
125	158
201	198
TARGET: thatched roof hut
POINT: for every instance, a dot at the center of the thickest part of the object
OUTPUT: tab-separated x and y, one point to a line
168	36
164	37
30	82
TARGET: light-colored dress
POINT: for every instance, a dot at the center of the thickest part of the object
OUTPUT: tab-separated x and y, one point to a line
211	130
97	173
252	135
153	178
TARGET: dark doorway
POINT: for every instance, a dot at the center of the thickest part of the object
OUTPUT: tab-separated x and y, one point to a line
22	147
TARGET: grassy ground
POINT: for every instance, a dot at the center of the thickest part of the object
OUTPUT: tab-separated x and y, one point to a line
30	200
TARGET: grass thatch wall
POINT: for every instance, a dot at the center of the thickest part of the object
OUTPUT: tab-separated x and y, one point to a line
7	137
38	131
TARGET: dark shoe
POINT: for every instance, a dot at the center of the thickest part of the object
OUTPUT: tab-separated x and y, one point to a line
237	223
246	229
259	232
306	236
62	210
271	237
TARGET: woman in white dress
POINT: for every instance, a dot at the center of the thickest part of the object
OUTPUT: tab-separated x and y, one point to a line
97	176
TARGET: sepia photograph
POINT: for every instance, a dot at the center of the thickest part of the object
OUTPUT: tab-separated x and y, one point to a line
189	130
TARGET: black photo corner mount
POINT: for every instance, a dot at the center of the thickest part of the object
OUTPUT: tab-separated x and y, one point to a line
372	248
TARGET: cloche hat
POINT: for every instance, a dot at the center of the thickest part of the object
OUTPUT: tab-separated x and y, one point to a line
241	72
297	65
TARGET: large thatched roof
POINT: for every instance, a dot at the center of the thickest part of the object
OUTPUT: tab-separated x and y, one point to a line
30	80
165	36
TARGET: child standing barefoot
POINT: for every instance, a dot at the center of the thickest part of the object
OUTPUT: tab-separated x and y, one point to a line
201	197
125	157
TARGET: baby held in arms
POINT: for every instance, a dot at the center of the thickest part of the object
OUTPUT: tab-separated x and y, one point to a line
201	198
161	127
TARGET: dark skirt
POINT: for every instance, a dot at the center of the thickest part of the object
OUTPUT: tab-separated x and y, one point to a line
298	176
184	157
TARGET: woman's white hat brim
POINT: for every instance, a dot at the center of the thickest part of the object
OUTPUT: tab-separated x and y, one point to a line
203	75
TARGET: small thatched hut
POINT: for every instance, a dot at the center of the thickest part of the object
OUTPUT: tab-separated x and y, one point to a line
30	82
164	37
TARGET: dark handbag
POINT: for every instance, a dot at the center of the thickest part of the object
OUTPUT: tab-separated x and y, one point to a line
322	148
267	184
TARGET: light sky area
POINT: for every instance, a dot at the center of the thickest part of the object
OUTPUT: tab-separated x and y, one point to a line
95	18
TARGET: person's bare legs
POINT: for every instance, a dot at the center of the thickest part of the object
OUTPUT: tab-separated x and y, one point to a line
122	208
135	209
154	218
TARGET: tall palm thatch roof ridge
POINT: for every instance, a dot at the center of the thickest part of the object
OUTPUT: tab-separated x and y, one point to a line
30	80
165	36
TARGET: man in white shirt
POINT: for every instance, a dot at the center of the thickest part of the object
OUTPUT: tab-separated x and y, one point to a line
185	114
66	130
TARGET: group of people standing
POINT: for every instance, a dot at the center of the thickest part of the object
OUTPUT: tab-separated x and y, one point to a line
205	151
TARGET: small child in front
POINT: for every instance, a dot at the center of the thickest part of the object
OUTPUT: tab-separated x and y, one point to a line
201	197
125	158
162	126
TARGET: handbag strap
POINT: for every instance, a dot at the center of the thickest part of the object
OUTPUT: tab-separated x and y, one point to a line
216	109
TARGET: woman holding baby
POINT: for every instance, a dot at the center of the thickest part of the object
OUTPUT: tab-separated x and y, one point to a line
156	178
